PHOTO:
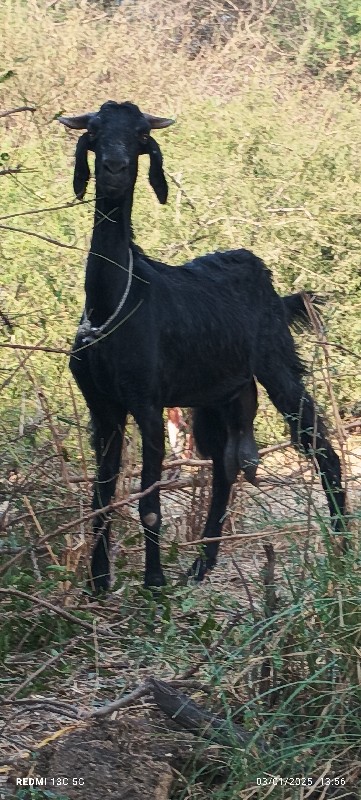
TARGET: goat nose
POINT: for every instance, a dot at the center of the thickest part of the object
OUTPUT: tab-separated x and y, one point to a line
115	166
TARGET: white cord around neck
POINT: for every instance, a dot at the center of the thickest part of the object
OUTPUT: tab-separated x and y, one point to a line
89	332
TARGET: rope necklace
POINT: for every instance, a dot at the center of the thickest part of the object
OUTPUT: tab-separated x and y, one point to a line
89	332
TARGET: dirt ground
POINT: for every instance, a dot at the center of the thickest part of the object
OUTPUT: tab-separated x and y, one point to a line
138	754
127	759
131	758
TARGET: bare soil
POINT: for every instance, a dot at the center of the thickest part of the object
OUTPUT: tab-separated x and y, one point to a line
126	759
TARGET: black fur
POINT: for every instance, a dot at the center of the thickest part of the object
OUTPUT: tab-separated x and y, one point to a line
193	336
81	169
156	174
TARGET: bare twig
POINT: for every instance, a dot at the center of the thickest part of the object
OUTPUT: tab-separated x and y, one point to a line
38	701
13	170
21	364
122	702
7	322
34	348
41	236
16	110
44	666
246	588
32	211
45	603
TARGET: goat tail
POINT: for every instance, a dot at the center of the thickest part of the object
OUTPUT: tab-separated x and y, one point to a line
296	311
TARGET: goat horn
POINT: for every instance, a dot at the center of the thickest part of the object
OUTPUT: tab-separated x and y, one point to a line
78	123
158	122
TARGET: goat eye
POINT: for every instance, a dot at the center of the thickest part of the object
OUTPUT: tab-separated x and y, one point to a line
144	137
92	135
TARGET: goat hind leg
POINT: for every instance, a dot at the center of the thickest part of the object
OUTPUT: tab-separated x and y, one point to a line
210	433
308	434
151	426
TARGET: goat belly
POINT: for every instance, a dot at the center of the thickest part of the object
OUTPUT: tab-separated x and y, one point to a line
198	377
193	395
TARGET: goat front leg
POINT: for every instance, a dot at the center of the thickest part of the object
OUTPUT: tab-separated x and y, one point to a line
151	426
108	433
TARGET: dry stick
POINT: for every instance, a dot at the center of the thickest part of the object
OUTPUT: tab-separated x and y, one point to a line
326	371
38	672
13	170
46	410
41	602
78	521
270	610
40	530
144	689
69	204
195	462
191	716
40	236
246	588
121	503
203	462
47	413
141	690
259	626
35	348
21	363
162	485
340	347
16	110
38	701
184	193
7	322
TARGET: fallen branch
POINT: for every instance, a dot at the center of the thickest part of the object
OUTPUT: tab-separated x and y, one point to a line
191	716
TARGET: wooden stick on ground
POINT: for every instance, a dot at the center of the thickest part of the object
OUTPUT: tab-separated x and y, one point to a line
191	716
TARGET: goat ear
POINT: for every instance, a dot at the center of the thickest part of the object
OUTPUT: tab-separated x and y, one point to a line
156	175
158	122
81	169
77	123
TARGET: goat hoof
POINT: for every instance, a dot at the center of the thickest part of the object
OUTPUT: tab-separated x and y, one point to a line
154	580
98	585
200	568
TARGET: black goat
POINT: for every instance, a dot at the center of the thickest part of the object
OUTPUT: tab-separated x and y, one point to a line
155	336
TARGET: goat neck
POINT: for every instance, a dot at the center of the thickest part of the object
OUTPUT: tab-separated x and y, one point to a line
108	260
